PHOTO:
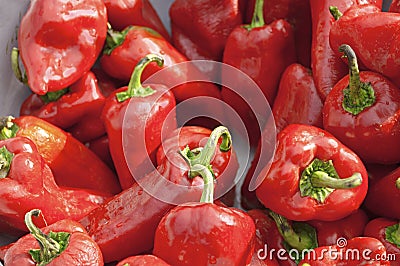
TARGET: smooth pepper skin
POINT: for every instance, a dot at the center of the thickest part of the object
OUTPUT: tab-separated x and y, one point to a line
297	147
122	13
82	104
58	149
140	260
205	234
59	42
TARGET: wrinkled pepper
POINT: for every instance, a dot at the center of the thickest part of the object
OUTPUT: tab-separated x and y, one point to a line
27	182
58	149
364	108
59	42
140	260
63	243
111	225
313	176
133	113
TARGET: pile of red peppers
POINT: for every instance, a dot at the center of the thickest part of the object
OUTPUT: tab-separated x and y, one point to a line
72	193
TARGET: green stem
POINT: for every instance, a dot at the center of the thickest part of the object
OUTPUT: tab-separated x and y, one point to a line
114	39
53	96
335	12
16	67
358	95
8	129
208	190
392	234
258	16
398	183
135	88
6	158
322	179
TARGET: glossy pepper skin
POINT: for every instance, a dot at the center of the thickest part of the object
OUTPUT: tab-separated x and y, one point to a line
63	243
311	175
81	103
387	231
58	149
364	108
144	109
122	14
371	247
27	183
101	147
111	225
355	28
140	260
44	39
327	67
394	6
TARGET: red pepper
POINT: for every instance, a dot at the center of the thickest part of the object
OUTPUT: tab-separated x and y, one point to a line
106	83
388	232
357	251
140	260
63	243
298	14
382	194
101	148
364	108
111	225
200	28
313	176
59	149
327	67
122	14
78	106
297	100
58	43
140	112
203	233
27	182
373	36
394	6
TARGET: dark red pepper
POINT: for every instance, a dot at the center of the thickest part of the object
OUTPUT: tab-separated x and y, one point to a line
58	149
59	42
107	84
394	6
63	243
101	148
313	176
364	108
133	113
140	260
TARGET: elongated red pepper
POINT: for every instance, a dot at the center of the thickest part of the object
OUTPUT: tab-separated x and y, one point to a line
364	108
58	149
355	28
327	67
388	232
140	260
63	243
79	105
143	109
122	14
58	43
313	176
356	251
182	232
111	225
27	183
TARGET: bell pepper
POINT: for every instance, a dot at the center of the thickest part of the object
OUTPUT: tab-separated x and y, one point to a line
125	49
137	112
58	149
363	108
58	43
140	260
63	243
381	195
203	233
111	225
313	176
297	100
27	182
200	28
354	27
326	66
355	251
78	106
298	14
387	231
122	14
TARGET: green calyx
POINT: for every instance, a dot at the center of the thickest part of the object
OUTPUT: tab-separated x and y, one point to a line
51	245
320	179
392	234
53	96
6	158
114	39
16	67
335	12
135	88
258	16
358	95
8	129
398	183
